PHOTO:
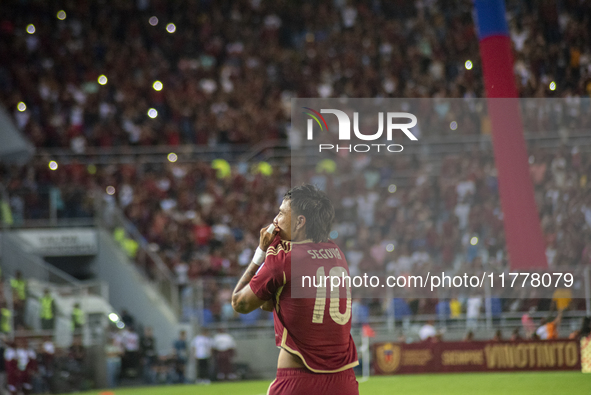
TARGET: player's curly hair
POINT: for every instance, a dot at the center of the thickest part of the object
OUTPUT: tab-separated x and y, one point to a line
312	203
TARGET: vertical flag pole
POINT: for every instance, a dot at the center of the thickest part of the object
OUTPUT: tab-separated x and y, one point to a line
523	233
365	351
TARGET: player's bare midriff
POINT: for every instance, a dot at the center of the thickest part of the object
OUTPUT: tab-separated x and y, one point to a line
287	360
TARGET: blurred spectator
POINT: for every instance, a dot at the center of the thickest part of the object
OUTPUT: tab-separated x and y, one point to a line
181	354
47	311
201	347
46	359
19	298
443	310
515	335
113	352
427	331
473	307
78	318
165	369
5	318
127	318
469	336
181	270
584	331
455	308
498	336
528	325
21	366
130	363
148	355
548	330
224	349
3	347
77	363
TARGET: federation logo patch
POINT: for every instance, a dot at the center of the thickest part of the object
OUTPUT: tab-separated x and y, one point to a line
388	357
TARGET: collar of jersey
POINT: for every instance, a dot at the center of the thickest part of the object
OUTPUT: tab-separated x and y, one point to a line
300	242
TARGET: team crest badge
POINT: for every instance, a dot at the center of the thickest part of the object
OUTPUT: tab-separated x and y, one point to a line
388	357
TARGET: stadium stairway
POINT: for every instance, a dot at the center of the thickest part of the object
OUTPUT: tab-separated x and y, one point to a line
129	289
92	295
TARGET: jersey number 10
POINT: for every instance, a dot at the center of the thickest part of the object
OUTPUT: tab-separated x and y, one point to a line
320	304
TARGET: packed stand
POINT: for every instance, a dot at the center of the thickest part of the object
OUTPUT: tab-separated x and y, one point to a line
204	226
226	70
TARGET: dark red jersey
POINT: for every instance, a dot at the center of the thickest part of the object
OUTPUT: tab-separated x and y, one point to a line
20	364
316	328
11	363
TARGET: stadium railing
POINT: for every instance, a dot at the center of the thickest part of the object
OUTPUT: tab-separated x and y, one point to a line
202	307
149	263
144	154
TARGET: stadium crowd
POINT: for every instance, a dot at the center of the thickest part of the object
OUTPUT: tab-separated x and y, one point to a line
227	69
204	226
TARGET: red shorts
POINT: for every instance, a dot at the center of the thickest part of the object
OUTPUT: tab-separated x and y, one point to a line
18	379
304	382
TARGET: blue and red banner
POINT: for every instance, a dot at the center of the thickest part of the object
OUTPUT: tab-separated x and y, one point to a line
523	234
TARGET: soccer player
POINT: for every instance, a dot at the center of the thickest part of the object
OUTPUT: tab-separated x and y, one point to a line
21	363
317	351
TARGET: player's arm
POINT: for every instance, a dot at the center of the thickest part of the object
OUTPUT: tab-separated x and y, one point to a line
243	298
558	318
268	306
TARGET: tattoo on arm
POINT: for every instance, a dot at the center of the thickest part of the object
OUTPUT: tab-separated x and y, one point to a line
237	302
246	277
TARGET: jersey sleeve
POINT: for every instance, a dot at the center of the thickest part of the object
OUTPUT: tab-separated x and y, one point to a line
270	276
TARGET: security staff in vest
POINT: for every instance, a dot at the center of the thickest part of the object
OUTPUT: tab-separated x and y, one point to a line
5	319
77	318
19	298
47	311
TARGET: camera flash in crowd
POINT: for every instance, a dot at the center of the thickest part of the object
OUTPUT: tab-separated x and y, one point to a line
30	28
172	157
53	165
171	28
153	21
61	15
102	79
468	65
21	106
157	85
152	113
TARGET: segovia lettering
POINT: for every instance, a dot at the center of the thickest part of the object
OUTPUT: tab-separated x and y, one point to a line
325	253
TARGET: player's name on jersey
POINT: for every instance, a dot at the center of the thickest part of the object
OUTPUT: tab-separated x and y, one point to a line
325	253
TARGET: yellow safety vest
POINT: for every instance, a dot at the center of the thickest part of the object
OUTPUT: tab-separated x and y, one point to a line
46	307
119	234
6	213
20	287
130	246
77	318
5	320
